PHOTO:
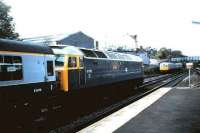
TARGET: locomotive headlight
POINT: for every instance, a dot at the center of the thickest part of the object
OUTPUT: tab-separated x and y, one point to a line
142	65
126	69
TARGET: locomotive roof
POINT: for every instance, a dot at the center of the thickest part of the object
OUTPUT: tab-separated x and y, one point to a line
166	63
67	50
123	56
91	53
19	46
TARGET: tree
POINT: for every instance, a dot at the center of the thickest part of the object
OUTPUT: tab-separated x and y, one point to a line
164	53
152	52
176	53
140	49
7	26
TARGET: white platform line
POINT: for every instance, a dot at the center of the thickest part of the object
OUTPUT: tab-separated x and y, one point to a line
116	120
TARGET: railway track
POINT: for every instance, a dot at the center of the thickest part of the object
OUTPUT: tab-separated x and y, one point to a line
168	81
152	78
197	71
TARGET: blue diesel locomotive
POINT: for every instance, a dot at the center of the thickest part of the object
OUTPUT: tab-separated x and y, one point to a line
78	68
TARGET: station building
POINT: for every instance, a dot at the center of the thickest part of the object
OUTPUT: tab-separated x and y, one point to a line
78	39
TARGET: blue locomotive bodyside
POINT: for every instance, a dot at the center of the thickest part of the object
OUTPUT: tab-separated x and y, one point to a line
107	71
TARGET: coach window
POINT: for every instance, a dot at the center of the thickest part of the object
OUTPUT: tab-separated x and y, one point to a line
1	66
17	63
50	70
8	59
72	62
10	68
1	59
17	59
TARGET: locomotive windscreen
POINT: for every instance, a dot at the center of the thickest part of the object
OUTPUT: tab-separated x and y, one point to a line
59	60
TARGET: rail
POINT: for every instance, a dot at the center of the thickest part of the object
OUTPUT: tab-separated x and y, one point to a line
87	120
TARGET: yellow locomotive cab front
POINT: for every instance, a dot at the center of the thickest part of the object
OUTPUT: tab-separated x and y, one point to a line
63	71
164	68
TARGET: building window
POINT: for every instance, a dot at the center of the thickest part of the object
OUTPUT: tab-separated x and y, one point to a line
11	68
72	62
50	70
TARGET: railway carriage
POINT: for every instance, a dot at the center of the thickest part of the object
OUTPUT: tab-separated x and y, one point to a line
26	70
79	68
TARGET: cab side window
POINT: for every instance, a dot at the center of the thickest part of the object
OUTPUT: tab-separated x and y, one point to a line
72	62
10	68
81	62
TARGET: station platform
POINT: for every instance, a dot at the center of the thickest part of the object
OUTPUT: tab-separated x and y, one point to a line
167	110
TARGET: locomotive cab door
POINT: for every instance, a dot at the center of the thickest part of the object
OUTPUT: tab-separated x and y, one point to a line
75	72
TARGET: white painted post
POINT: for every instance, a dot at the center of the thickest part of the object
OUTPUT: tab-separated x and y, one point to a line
189	67
189	79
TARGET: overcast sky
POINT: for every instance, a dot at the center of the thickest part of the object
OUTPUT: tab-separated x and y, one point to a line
158	23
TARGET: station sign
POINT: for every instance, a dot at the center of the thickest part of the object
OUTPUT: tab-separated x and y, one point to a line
189	65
